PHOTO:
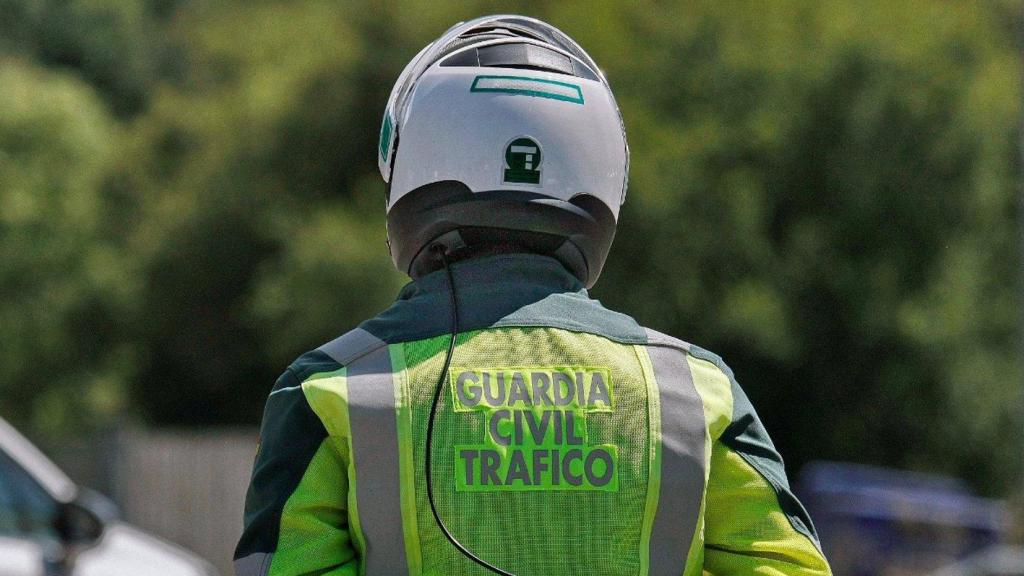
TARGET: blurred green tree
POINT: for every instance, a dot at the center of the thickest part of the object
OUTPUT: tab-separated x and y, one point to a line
64	289
823	193
115	45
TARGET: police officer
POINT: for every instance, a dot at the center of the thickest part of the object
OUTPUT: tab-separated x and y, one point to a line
495	419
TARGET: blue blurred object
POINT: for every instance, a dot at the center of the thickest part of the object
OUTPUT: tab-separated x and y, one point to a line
879	521
1002	560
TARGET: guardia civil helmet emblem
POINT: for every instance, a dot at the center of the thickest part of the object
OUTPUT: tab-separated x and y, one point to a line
522	161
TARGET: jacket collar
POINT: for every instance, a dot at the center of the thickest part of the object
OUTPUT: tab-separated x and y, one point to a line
511	277
501	290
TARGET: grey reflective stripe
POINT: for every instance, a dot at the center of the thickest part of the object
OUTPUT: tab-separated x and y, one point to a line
658	339
374	425
256	564
351	346
682	461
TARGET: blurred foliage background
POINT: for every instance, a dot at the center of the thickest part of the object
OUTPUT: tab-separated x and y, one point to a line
825	193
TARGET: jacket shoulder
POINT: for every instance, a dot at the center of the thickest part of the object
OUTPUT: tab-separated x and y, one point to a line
711	376
655	338
350	346
330	356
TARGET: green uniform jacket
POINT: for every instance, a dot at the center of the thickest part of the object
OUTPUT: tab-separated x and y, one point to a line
569	440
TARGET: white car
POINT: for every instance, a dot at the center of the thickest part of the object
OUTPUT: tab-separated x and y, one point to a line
51	527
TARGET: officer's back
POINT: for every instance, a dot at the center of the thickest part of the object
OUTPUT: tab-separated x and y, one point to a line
495	419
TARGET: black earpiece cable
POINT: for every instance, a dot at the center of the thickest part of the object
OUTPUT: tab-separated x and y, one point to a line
442	252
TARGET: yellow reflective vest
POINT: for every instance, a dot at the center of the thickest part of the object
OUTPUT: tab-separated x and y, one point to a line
569	440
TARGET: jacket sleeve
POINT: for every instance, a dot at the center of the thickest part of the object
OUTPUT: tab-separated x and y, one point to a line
753	523
296	519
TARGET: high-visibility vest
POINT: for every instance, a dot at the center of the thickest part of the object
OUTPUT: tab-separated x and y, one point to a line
568	440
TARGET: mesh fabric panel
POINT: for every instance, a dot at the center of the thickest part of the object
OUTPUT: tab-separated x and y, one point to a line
313	524
746	532
540	532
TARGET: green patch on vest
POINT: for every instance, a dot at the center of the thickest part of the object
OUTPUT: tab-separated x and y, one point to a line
558	388
535	436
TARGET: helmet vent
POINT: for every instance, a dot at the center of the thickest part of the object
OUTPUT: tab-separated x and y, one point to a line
520	55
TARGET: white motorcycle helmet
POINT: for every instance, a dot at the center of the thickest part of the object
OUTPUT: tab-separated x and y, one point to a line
503	132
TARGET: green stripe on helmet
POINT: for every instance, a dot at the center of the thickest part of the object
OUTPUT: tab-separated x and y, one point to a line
385	136
529	86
